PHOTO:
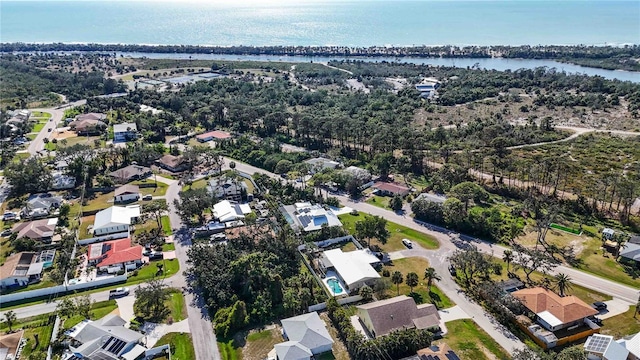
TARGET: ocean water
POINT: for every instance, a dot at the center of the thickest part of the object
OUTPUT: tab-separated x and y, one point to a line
305	22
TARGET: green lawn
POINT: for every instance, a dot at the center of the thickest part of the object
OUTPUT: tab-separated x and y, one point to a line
587	295
44	336
30	322
621	325
472	343
31	136
181	345
159	190
397	232
604	265
50	146
198	184
379	201
37	127
166	225
41	114
98	311
98	201
229	351
176	304
420	294
168	247
149	271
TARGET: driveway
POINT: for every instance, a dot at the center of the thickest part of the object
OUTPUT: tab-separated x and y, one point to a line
125	306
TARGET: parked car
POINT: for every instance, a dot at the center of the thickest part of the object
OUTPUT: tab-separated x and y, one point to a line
452	271
5	232
10	216
121	291
599	305
147	197
49	130
407	243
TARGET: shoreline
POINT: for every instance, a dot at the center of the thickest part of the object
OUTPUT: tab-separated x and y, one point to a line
607	57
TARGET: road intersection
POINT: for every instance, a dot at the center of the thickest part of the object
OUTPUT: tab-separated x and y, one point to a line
200	325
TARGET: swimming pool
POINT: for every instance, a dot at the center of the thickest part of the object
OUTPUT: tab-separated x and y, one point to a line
334	285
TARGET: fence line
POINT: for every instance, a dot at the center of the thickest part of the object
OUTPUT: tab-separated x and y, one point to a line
341	301
60	289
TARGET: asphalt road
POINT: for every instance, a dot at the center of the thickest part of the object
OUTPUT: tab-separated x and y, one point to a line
204	339
449	242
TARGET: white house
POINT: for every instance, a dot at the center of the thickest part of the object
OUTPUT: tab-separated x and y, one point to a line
230	211
104	339
354	267
127	193
61	181
115	219
313	217
227	188
320	163
124	132
604	347
307	336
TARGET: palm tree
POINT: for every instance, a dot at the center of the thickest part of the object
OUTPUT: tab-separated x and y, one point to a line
637	308
397	279
412	280
507	257
10	318
563	283
430	275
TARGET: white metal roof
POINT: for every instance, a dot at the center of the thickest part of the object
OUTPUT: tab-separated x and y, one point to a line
116	215
632	344
229	211
353	266
549	318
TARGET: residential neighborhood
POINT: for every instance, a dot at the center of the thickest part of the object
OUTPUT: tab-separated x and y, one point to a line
201	212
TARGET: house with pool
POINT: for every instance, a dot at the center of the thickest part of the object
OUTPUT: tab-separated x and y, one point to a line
309	217
348	271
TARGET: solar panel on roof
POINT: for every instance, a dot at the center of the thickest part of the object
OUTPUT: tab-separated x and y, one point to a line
116	346
597	343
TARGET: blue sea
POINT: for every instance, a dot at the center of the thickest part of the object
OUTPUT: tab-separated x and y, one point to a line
346	23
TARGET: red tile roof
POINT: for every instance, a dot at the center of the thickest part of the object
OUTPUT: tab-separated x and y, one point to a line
115	252
217	134
567	309
391	187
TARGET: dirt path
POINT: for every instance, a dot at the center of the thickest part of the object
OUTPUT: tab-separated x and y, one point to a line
336	68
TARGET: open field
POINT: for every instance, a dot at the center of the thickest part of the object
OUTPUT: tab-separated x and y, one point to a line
472	343
420	294
397	233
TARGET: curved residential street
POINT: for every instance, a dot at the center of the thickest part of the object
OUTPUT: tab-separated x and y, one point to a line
204	339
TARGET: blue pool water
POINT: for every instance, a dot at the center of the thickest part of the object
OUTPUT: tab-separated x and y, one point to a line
334	286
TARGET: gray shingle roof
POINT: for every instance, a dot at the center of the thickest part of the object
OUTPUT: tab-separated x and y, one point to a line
308	329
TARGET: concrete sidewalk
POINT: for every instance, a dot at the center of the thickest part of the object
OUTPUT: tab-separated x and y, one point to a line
453	313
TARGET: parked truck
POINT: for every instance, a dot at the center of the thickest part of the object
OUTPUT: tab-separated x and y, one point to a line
121	291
